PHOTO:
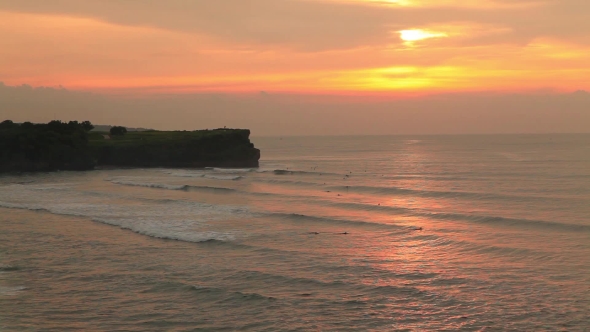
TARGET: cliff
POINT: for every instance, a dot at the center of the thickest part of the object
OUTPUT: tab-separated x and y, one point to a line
71	146
203	148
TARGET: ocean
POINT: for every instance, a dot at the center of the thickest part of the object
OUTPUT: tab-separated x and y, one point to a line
375	233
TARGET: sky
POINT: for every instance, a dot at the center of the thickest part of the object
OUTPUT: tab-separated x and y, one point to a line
300	67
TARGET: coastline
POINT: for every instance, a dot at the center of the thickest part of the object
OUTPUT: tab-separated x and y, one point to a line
58	145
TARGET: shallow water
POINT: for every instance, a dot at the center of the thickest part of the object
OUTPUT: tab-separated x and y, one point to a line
504	242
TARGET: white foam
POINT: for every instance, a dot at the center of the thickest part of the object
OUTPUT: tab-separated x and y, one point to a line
151	185
51	188
9	205
168	219
11	291
223	177
267	170
185	174
170	231
233	170
222	173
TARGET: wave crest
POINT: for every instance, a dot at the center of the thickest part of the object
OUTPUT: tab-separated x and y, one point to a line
151	185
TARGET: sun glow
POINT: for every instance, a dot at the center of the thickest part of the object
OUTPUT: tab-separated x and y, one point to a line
421	58
417	34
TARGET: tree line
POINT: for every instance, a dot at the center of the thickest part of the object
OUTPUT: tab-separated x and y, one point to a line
44	147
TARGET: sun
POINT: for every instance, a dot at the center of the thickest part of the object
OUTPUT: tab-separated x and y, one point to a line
417	34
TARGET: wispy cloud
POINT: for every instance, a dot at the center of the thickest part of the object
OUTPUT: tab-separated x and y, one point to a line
312	46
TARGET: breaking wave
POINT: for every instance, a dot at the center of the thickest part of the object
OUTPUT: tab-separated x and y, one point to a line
298	172
166	219
151	185
232	170
171	186
206	175
11	291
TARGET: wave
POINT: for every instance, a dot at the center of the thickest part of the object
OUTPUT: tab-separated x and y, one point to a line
8	268
487	219
193	174
8	205
282	172
484	219
302	217
184	174
501	251
214	189
11	291
252	296
340	175
289	182
225	294
223	177
155	232
150	185
172	187
232	170
397	191
296	172
172	219
442	176
508	221
313	285
145	228
51	188
141	228
434	194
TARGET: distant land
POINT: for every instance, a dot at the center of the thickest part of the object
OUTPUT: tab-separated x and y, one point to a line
57	145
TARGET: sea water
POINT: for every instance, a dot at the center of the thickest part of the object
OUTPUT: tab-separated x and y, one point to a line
380	233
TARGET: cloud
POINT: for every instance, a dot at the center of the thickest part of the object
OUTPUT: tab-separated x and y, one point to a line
296	46
323	25
304	24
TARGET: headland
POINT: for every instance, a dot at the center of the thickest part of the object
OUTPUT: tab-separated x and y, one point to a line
57	145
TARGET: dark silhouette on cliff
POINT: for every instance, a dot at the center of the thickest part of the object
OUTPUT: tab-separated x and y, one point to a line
44	147
69	146
118	131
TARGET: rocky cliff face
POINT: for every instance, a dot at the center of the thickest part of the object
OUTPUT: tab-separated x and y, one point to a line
69	146
211	148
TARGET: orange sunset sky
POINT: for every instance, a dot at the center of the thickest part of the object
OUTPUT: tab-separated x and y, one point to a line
303	55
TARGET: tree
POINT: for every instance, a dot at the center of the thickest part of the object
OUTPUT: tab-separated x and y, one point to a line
118	131
27	126
7	124
40	147
87	126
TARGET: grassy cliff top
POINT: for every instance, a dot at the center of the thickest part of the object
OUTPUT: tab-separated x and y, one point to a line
98	138
71	146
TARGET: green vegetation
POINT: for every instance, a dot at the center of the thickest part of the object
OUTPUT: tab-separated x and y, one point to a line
202	148
44	147
118	131
70	146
